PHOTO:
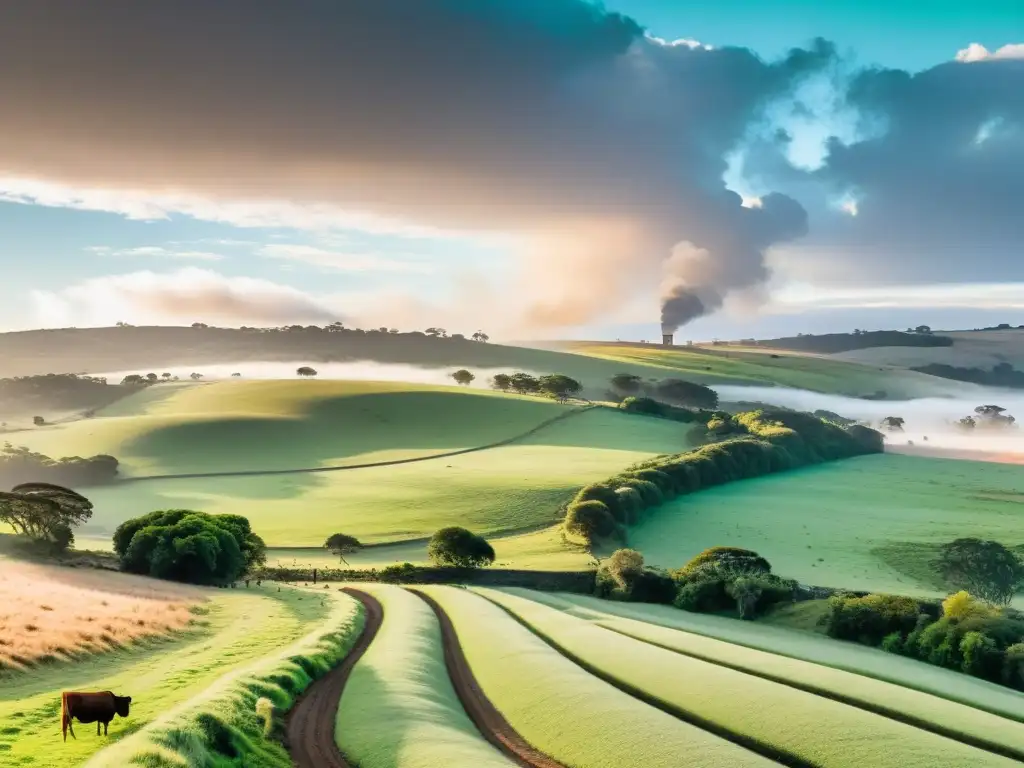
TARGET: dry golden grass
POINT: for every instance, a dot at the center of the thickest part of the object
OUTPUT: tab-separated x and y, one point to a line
49	613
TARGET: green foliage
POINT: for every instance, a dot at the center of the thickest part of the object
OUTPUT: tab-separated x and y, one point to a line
624	567
626	383
1013	666
893	643
398	573
342	544
459	548
981	656
502	381
736	559
44	513
604	493
18	464
686	393
647	406
189	546
984	568
463	377
589	520
870	618
524	383
559	386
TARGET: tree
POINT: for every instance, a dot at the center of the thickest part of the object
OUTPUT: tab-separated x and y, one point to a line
626	383
727	558
986	569
236	375
342	544
524	383
306	372
989	411
133	380
189	546
559	386
463	377
38	421
200	325
165	376
437	333
502	381
459	548
625	567
152	377
893	423
687	393
923	329
590	520
967	423
44	512
195	376
480	336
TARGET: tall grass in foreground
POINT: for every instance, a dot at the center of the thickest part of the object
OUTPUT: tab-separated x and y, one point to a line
808	730
563	710
49	613
399	709
236	722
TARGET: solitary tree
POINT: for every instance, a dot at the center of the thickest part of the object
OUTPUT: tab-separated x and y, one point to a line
195	376
306	372
342	544
923	329
463	377
502	381
38	421
480	336
236	375
626	383
437	333
165	376
44	512
152	377
460	548
559	386
986	569
893	423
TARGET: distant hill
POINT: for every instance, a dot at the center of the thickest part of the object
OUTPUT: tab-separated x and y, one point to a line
834	343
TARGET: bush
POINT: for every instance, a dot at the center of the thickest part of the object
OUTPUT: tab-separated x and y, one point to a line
397	574
893	643
961	605
734	559
1013	666
981	657
687	393
869	619
590	520
189	546
631	504
459	548
703	596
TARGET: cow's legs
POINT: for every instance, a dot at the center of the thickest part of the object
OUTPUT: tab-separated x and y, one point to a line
71	727
97	727
105	724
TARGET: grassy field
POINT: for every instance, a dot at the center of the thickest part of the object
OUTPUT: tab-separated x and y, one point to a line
851	657
500	490
845	524
926	711
774	717
399	709
184	736
729	366
563	710
52	614
241	627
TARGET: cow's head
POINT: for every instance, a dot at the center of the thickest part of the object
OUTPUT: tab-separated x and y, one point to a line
121	704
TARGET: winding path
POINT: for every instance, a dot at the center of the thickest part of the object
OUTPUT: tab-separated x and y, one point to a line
489	721
311	722
343	467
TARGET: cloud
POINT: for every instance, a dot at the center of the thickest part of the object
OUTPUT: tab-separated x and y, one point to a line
977	52
542	118
154	251
184	296
341	261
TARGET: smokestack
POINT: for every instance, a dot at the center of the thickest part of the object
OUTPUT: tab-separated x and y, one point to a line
666	339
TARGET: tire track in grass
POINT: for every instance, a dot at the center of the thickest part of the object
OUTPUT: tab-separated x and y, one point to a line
490	722
311	722
878	709
776	755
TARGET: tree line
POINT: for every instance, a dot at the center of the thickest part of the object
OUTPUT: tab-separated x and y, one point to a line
556	385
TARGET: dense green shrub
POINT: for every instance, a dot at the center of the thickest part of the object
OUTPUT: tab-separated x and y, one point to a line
981	656
893	643
1013	666
189	546
647	406
869	619
459	548
604	493
731	559
590	520
703	596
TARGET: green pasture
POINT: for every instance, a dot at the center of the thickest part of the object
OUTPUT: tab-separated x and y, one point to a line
851	657
496	491
923	710
728	366
540	692
399	709
775	717
183	736
242	627
846	524
266	425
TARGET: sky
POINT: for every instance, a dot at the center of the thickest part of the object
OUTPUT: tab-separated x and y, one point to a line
531	168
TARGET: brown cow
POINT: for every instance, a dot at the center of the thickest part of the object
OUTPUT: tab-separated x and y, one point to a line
91	708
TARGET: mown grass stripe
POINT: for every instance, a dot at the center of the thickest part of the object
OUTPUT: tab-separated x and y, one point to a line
877	709
782	757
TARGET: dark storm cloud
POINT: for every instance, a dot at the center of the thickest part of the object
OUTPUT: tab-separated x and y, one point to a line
525	115
939	182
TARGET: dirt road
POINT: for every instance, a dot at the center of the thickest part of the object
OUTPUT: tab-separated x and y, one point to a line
310	724
488	720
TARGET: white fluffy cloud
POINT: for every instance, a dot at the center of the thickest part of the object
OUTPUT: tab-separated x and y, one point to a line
180	297
978	52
